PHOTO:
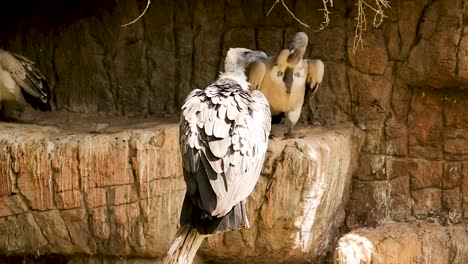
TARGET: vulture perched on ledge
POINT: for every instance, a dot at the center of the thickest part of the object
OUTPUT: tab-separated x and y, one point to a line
223	139
20	83
288	80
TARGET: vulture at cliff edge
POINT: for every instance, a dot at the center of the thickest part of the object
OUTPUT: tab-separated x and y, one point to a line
287	80
223	140
223	137
20	83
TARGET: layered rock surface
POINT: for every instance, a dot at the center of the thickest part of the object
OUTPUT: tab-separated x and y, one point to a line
118	191
395	243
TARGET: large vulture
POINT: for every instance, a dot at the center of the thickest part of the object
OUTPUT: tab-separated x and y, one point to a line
20	83
223	139
288	80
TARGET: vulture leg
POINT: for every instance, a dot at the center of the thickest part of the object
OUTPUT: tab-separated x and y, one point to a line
292	118
275	119
9	111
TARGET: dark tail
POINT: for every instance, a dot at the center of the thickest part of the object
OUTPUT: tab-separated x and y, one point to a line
192	215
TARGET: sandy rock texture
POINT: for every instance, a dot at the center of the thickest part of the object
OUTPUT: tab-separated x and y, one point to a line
406	90
118	192
394	243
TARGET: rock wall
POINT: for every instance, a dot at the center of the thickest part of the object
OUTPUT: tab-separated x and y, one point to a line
396	243
406	89
119	193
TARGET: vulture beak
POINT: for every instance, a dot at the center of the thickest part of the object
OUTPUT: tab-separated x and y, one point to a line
260	55
291	46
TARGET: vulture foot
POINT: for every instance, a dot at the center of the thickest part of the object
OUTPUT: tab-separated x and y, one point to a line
289	135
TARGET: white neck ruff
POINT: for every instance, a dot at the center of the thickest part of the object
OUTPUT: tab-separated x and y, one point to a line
239	77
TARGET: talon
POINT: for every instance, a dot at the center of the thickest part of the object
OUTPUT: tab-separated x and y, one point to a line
289	135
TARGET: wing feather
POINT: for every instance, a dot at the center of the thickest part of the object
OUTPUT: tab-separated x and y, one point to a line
232	134
315	71
256	72
25	74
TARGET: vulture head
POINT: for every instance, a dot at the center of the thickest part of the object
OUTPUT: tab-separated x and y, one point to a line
237	59
299	42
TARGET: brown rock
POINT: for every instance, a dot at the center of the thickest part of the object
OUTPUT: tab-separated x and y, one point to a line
465	188
396	137
397	167
433	61
452	175
455	105
238	37
288	225
404	243
371	167
425	125
332	103
368	203
427	202
370	60
270	40
400	199
102	158
452	201
6	172
462	56
456	144
424	173
119	192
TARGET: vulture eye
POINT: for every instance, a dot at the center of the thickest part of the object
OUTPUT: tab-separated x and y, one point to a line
245	54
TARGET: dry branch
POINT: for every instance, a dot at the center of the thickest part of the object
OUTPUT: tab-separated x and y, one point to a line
140	16
361	20
326	14
289	11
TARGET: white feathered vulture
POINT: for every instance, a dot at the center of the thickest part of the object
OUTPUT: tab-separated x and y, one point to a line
223	139
288	80
20	83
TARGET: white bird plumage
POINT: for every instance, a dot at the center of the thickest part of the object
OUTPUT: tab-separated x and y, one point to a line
18	74
223	139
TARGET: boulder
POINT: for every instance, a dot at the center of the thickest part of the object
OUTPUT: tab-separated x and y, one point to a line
394	243
116	189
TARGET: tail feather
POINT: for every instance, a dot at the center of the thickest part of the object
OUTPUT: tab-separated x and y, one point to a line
192	215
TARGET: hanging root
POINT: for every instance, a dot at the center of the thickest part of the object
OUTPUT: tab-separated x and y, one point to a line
140	16
184	247
361	20
326	14
289	11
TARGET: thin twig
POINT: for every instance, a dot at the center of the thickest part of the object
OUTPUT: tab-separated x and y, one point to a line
361	20
271	8
290	12
140	16
361	25
326	14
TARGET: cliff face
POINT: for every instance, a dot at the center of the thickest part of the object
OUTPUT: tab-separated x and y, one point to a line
119	193
406	89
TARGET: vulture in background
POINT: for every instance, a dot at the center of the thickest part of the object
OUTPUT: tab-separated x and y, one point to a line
223	138
287	80
20	83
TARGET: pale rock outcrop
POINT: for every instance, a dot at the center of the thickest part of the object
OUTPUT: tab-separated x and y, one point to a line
118	192
394	243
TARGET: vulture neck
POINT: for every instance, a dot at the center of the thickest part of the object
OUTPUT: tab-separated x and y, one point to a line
296	56
238	76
